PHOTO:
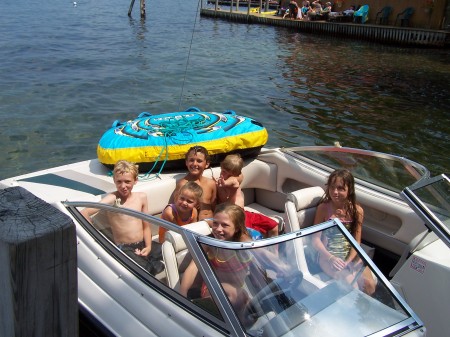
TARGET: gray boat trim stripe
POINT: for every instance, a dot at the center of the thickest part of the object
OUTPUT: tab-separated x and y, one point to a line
72	180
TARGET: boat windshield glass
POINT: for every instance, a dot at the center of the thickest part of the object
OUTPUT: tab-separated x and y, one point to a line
384	170
288	287
431	201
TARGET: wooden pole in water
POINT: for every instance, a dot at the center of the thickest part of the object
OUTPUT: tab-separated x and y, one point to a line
131	7
142	8
38	267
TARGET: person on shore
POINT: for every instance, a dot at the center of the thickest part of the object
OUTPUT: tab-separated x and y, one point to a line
229	190
334	253
131	235
184	210
293	10
197	160
305	9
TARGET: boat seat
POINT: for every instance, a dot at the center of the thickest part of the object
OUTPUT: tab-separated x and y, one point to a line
300	207
175	253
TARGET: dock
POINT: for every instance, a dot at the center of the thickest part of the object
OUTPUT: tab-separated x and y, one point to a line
400	36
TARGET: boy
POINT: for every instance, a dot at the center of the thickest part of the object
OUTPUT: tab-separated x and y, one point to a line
132	235
197	160
229	190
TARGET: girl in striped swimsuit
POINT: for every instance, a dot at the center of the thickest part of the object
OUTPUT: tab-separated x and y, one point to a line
334	253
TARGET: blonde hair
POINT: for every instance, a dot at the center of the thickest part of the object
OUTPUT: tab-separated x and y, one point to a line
123	166
233	163
194	188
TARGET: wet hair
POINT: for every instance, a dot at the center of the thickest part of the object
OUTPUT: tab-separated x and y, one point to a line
196	149
193	187
236	215
349	181
233	163
123	166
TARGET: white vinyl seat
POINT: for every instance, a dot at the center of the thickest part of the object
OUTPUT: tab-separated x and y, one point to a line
300	207
175	254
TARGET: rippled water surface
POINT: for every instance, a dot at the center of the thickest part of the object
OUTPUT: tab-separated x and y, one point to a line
68	72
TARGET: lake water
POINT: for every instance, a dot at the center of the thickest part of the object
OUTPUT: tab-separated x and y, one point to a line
67	72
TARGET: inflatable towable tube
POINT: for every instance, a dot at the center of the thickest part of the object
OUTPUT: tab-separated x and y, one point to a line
164	139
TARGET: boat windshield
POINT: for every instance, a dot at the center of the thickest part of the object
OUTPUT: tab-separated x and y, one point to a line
430	199
384	170
287	287
271	287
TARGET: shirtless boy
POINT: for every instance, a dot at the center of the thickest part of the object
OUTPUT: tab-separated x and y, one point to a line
197	160
229	190
132	235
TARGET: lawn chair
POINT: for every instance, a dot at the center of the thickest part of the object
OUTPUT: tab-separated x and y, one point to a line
361	15
404	17
384	14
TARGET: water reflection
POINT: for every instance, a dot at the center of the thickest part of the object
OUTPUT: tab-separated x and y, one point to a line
368	96
64	87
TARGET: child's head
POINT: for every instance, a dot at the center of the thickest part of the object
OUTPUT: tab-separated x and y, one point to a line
125	177
343	182
189	196
198	149
197	160
232	164
229	222
123	166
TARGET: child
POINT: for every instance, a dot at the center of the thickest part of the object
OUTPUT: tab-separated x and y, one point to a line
231	267
334	251
132	235
229	190
197	160
184	210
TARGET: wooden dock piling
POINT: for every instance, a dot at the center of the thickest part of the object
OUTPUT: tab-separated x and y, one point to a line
38	264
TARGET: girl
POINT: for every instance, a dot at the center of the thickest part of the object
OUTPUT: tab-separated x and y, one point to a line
184	210
230	266
334	252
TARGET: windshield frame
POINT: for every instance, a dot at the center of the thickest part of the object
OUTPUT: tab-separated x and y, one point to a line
422	209
194	242
412	170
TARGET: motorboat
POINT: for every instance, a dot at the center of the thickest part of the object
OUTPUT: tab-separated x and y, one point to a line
405	246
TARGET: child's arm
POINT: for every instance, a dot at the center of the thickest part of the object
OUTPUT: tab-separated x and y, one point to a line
358	231
188	278
147	232
167	215
89	212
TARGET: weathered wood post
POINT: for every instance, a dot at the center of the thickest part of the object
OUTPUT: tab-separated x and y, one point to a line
38	267
131	7
142	8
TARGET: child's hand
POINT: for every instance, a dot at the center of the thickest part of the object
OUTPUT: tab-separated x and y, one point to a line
337	263
220	181
142	252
